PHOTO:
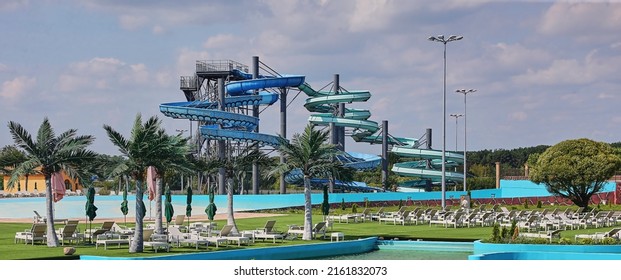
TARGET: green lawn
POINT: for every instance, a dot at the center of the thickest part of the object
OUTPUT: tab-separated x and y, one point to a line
11	251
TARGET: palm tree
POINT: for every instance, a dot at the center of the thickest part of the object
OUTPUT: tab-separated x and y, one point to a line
51	153
145	147
176	157
311	153
237	167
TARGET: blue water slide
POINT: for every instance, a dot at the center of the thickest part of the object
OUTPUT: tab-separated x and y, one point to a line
224	125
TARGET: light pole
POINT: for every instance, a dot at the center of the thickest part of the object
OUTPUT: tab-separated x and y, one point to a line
456	116
441	39
465	93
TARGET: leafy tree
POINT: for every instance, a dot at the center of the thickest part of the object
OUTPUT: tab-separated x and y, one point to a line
575	169
311	153
174	153
51	153
10	157
145	147
237	167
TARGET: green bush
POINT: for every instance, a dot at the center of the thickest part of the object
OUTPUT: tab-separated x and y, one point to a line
354	208
539	204
495	238
565	241
609	241
104	191
504	233
343	205
526	204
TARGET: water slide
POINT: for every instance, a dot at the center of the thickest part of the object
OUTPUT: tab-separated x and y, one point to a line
427	163
224	125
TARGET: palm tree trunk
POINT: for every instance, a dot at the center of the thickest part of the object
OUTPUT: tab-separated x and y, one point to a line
230	219
308	214
52	239
137	244
158	205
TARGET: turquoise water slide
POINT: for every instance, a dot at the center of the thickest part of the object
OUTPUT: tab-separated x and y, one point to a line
223	125
428	162
322	104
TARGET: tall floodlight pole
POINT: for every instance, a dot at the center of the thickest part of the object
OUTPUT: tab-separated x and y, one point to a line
456	116
441	39
465	93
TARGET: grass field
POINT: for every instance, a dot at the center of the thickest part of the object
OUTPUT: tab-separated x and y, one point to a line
11	251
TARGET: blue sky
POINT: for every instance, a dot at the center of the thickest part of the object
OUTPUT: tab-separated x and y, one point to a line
544	71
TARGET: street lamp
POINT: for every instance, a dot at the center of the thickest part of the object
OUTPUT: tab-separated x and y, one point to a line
465	93
456	116
441	39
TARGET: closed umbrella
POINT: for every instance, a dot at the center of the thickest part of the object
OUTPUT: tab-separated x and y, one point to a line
124	208
91	209
211	208
325	205
168	208
188	208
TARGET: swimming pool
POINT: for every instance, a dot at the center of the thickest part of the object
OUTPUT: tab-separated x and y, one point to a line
414	250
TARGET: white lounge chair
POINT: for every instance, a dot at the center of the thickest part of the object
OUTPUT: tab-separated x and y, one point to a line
68	232
268	232
319	228
176	236
36	233
226	233
613	233
155	241
550	234
109	238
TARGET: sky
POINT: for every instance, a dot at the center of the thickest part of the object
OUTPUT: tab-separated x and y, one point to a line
544	71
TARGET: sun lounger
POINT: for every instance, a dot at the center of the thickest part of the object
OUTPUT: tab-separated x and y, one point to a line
550	234
176	236
319	228
69	233
268	232
226	232
36	233
108	238
155	241
613	233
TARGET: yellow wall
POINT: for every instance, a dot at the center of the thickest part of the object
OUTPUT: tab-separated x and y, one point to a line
38	181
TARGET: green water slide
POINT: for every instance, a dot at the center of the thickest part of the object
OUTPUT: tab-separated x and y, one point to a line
426	164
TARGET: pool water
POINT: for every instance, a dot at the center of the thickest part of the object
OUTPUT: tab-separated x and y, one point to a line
404	255
414	250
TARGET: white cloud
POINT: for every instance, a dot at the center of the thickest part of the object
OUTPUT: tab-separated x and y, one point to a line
103	73
133	22
11	5
583	20
518	116
221	41
16	88
371	15
593	67
517	55
159	30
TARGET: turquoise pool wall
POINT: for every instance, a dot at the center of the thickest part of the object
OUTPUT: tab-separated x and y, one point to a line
489	251
109	206
292	252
